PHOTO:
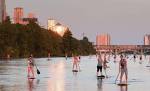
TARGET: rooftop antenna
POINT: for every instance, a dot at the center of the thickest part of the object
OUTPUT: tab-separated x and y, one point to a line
83	34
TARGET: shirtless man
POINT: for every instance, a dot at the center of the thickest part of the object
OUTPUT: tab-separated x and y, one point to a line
99	64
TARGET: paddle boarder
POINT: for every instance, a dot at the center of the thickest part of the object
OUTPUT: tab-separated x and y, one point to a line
123	69
115	58
140	62
75	62
30	67
49	55
134	57
105	64
66	56
99	64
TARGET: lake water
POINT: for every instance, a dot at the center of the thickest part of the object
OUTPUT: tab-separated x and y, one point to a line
57	75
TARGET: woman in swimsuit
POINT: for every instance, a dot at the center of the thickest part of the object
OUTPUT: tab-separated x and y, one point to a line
123	69
30	67
75	63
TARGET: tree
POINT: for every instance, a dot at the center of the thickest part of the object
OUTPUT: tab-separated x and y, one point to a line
7	20
86	47
67	42
22	40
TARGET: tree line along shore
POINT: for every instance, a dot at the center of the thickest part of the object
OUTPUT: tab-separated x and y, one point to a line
20	41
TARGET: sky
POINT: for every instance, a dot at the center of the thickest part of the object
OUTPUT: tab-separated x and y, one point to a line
127	21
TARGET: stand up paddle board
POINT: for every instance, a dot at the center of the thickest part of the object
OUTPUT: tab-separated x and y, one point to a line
31	77
148	66
122	84
74	70
101	77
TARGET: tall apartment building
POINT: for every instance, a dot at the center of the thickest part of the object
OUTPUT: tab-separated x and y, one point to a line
30	17
18	15
103	39
51	24
2	10
56	27
147	39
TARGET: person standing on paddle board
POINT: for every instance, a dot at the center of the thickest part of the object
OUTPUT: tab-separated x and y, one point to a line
66	56
115	56
123	69
134	57
75	63
140	62
105	64
30	67
49	55
99	64
79	58
140	57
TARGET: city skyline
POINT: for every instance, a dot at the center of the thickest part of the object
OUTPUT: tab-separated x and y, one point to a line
19	17
126	21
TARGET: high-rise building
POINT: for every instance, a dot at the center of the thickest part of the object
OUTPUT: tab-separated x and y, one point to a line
2	10
60	29
56	27
51	24
18	15
147	39
30	17
103	39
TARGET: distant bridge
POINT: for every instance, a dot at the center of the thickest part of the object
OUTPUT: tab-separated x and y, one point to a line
123	48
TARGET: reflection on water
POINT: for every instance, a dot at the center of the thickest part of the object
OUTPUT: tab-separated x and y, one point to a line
75	73
99	85
123	88
30	84
38	81
57	82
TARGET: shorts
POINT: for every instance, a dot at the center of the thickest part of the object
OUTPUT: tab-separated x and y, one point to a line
124	71
99	68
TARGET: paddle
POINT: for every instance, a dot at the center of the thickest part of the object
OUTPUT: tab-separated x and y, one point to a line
117	77
37	70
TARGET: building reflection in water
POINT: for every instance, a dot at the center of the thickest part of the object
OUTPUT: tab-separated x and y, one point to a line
99	85
56	82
